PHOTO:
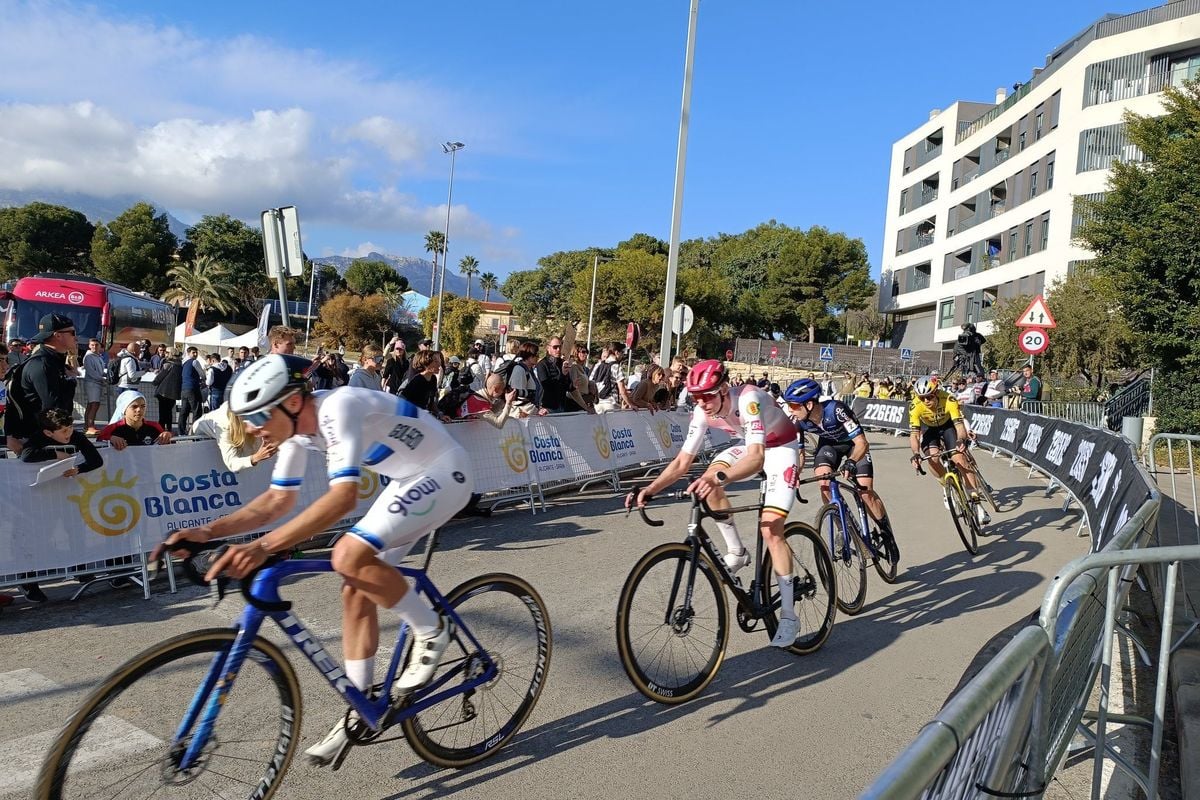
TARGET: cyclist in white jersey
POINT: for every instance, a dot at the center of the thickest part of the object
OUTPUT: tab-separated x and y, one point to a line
769	444
430	480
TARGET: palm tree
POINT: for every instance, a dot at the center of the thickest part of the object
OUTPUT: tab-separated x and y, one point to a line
435	242
204	282
469	266
489	283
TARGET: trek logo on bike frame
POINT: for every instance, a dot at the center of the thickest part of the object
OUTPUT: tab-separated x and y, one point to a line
316	653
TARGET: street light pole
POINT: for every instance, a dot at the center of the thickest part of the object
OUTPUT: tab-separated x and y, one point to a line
664	347
592	304
452	148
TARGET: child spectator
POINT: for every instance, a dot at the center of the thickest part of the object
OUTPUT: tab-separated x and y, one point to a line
130	426
54	435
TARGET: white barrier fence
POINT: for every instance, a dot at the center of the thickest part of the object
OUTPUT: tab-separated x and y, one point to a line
107	520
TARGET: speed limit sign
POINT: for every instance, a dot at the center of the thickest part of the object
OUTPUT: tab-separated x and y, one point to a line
1033	341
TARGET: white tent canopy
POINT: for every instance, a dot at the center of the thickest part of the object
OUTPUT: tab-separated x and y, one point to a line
210	338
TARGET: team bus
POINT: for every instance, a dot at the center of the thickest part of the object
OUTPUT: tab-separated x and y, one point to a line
102	310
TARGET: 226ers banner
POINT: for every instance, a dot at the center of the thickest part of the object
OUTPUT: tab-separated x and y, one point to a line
1098	467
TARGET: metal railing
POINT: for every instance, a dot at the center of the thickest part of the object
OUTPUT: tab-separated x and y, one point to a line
1133	400
1003	736
1092	414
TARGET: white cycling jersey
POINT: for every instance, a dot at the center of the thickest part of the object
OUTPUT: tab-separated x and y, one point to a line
425	469
752	414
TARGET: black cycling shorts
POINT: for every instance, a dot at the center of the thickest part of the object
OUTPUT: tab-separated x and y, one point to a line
830	453
944	435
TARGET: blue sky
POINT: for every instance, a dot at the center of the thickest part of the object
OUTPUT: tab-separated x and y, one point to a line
569	111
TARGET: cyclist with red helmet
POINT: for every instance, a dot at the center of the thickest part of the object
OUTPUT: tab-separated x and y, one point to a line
769	445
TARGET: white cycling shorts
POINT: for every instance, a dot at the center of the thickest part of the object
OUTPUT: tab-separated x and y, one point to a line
779	463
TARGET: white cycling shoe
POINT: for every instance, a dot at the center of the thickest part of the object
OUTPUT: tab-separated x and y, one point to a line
424	658
787	632
982	515
331	747
735	561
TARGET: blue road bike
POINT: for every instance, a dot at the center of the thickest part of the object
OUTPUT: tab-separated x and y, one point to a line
216	713
849	548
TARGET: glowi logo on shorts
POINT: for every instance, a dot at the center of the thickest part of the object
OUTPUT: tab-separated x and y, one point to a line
105	505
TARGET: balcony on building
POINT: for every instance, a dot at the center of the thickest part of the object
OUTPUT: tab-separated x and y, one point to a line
916	236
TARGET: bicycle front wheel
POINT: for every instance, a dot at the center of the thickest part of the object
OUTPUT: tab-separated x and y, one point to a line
672	634
963	516
814	588
849	558
509	620
985	488
121	743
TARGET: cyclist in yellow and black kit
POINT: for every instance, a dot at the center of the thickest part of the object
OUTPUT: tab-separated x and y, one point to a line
935	423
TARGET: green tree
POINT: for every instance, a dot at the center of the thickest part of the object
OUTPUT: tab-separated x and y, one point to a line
1093	338
435	243
352	320
369	277
135	249
460	318
647	243
40	237
203	282
1145	237
488	283
542	297
239	248
469	266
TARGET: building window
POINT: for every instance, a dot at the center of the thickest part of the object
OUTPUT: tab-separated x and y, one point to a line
1049	176
1184	69
1037	126
1045	232
1021	135
1033	184
495	323
1099	147
1012	244
1028	238
946	314
903	201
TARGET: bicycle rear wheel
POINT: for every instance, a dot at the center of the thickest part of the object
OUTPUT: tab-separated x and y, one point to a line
848	554
814	588
883	563
671	646
509	620
963	516
119	743
985	488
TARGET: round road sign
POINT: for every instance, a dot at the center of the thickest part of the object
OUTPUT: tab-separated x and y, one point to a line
1033	341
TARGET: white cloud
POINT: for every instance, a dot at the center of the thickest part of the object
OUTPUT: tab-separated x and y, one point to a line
111	107
364	249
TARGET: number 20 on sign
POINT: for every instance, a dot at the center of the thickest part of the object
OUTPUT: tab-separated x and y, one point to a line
1033	341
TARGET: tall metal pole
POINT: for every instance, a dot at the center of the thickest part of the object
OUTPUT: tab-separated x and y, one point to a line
452	148
281	278
664	345
592	303
312	283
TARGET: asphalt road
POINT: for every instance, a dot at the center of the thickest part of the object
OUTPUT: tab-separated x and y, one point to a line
770	724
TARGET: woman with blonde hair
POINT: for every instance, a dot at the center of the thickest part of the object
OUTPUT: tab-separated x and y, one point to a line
367	374
651	391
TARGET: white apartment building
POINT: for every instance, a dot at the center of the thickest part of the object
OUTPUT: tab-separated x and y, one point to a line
981	198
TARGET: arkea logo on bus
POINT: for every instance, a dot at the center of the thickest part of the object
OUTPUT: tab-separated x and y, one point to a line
75	297
105	505
513	448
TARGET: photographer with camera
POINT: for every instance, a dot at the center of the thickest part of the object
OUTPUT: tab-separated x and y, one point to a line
968	350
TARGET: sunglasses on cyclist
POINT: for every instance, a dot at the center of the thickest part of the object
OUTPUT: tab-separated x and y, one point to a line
702	397
263	415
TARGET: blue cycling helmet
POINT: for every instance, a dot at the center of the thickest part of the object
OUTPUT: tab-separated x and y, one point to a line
802	391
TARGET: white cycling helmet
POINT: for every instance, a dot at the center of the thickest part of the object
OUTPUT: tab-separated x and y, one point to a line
925	386
265	384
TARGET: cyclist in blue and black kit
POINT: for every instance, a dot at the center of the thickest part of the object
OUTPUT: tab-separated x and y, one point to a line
840	440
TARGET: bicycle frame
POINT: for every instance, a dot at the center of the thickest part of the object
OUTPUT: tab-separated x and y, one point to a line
835	498
699	540
223	670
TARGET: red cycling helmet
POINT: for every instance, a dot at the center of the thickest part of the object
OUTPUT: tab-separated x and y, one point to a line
706	376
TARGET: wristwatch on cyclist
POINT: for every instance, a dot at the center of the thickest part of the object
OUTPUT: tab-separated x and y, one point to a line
721	477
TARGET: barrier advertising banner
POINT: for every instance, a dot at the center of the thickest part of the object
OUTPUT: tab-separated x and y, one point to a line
1095	465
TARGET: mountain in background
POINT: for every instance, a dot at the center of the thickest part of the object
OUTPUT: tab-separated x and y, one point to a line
96	209
419	272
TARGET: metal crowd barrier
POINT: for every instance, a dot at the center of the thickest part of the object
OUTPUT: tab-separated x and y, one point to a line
1084	413
1006	732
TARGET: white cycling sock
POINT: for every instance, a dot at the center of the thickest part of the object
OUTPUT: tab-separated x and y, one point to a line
361	672
420	617
733	542
787	600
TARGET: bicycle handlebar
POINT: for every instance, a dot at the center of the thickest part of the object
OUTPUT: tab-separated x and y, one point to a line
679	495
194	574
